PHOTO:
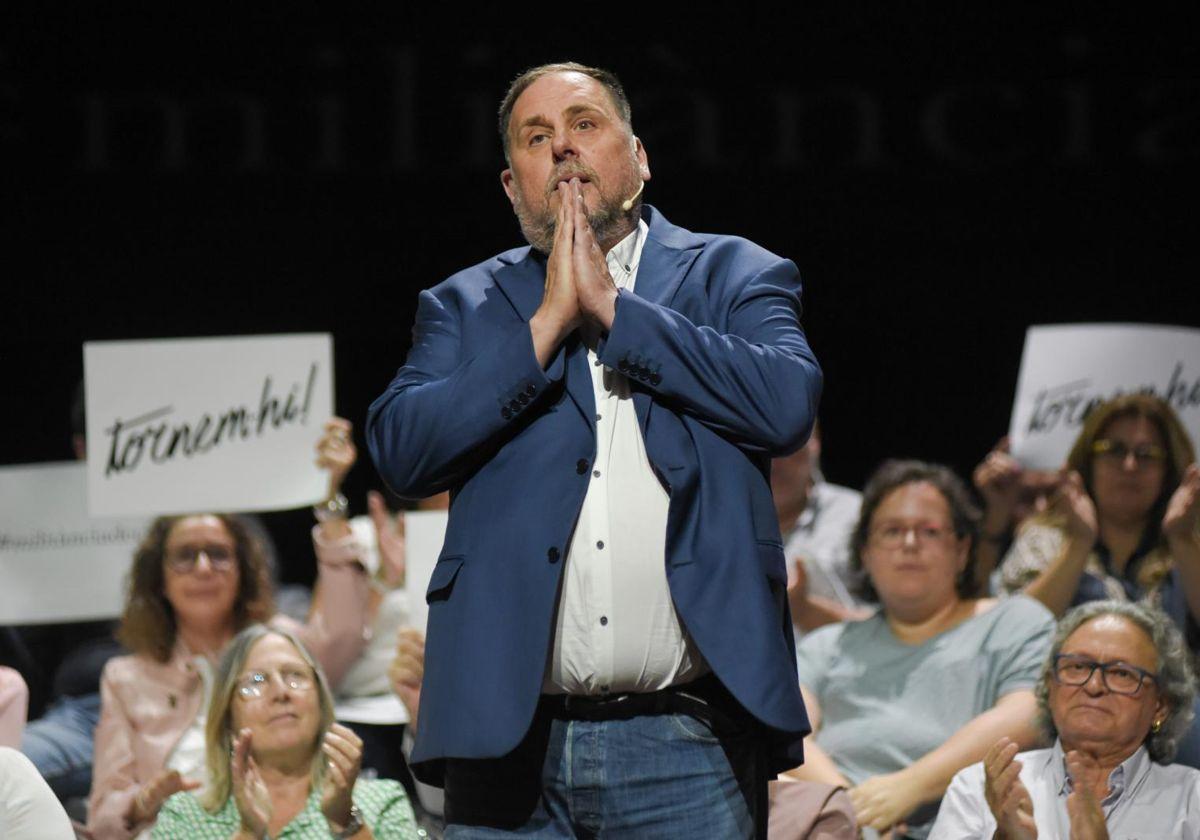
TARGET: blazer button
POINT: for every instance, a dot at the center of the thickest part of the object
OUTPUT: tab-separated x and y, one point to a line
581	466
530	390
514	404
506	412
523	399
622	366
655	378
552	554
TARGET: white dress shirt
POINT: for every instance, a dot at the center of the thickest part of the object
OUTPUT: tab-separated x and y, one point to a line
616	629
1146	801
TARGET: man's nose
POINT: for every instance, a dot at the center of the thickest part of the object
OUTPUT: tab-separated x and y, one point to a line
563	146
1095	683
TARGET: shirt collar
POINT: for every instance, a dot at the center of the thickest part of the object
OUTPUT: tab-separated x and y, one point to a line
622	258
1123	777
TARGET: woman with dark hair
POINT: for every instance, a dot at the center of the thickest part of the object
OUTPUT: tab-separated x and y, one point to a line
900	701
1126	522
196	581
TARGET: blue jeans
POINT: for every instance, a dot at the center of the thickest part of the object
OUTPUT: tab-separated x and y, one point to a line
661	776
59	744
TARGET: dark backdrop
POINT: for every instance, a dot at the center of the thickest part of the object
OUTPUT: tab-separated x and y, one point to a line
941	183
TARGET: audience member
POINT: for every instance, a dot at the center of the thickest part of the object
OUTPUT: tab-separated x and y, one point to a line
278	763
904	699
1011	493
364	699
1115	695
196	581
28	808
14	702
815	519
1124	524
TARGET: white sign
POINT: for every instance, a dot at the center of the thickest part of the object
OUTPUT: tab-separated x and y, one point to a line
186	425
57	564
1067	370
424	533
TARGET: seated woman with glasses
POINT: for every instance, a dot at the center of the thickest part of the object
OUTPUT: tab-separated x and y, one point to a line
195	582
1115	695
1125	523
901	701
278	764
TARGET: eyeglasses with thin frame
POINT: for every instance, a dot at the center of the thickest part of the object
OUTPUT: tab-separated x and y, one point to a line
183	560
893	535
1144	454
1118	677
254	684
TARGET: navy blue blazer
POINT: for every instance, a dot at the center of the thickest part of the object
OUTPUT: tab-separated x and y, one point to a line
722	378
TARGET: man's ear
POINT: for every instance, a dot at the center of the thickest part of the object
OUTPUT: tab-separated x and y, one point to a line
639	152
506	181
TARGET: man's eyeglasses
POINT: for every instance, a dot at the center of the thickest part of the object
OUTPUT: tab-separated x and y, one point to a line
893	536
1144	454
1118	677
184	560
255	683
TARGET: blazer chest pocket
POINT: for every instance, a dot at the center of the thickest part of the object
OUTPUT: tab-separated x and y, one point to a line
441	583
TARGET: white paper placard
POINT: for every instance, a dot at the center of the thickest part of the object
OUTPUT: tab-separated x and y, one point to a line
57	563
1066	370
185	425
424	534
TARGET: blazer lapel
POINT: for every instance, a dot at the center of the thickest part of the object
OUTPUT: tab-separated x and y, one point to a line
522	282
660	271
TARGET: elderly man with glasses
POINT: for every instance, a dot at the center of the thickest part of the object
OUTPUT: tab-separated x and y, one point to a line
1116	692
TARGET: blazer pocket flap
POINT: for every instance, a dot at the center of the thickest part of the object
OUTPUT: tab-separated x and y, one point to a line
770	555
442	580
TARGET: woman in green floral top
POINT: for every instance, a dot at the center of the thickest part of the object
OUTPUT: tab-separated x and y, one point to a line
278	766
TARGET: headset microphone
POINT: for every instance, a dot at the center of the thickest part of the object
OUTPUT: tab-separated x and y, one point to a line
628	203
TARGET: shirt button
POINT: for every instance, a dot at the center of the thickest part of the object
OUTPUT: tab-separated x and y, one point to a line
597	418
552	554
596	473
599	543
597	363
581	466
603	620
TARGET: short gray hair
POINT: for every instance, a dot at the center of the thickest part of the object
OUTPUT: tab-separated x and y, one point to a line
607	79
1176	680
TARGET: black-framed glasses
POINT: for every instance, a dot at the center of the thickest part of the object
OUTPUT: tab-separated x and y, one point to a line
1118	677
255	683
1144	454
183	560
893	535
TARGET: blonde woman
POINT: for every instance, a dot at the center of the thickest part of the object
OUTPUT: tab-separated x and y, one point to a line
277	762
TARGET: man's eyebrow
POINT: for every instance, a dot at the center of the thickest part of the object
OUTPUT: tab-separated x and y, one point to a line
533	119
541	120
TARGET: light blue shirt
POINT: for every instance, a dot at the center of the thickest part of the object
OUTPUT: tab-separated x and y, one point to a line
1146	801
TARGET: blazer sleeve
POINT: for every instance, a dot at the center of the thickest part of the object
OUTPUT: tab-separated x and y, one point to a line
757	382
114	768
439	416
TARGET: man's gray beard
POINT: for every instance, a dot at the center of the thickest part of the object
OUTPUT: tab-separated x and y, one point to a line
608	223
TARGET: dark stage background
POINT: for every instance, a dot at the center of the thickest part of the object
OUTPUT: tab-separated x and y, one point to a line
942	184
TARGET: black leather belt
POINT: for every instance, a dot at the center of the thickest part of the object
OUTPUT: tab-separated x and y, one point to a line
705	699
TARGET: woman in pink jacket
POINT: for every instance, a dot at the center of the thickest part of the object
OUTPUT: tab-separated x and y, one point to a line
196	582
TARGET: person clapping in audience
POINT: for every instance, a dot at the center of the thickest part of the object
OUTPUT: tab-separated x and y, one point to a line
901	701
195	582
277	762
1115	694
1126	522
